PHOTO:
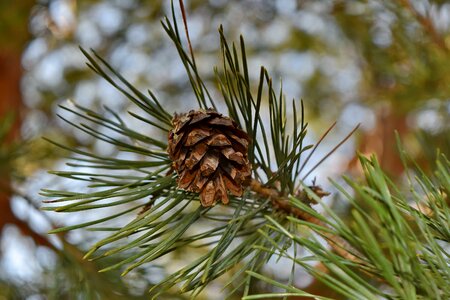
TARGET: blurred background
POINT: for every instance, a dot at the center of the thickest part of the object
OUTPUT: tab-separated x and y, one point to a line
384	64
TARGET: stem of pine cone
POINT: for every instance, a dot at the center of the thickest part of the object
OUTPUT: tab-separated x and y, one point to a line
339	245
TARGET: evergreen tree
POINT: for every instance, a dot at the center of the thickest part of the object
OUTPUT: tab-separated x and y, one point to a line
393	245
382	63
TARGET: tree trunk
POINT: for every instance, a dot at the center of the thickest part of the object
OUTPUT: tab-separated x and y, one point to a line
11	104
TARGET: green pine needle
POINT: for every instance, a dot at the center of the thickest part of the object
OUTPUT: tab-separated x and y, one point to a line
242	236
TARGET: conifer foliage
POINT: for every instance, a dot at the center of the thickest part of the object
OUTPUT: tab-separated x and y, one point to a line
257	167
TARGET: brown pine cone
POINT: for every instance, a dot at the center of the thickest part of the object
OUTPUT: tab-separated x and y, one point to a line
209	154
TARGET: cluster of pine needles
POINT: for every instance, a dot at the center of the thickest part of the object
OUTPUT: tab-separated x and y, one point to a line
394	245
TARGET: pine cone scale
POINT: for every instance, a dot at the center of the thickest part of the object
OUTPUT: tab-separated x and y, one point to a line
222	122
199	117
232	186
196	136
208	194
199	183
209	154
196	155
218	140
221	192
186	178
209	164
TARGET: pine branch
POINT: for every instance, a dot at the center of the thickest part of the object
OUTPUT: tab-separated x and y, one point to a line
339	245
402	247
427	24
167	218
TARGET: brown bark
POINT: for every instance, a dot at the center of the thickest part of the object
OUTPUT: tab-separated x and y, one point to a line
10	95
11	104
381	141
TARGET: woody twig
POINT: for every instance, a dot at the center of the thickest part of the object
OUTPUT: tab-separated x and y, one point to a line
339	245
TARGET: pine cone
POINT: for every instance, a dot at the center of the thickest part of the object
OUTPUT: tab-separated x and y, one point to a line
209	154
